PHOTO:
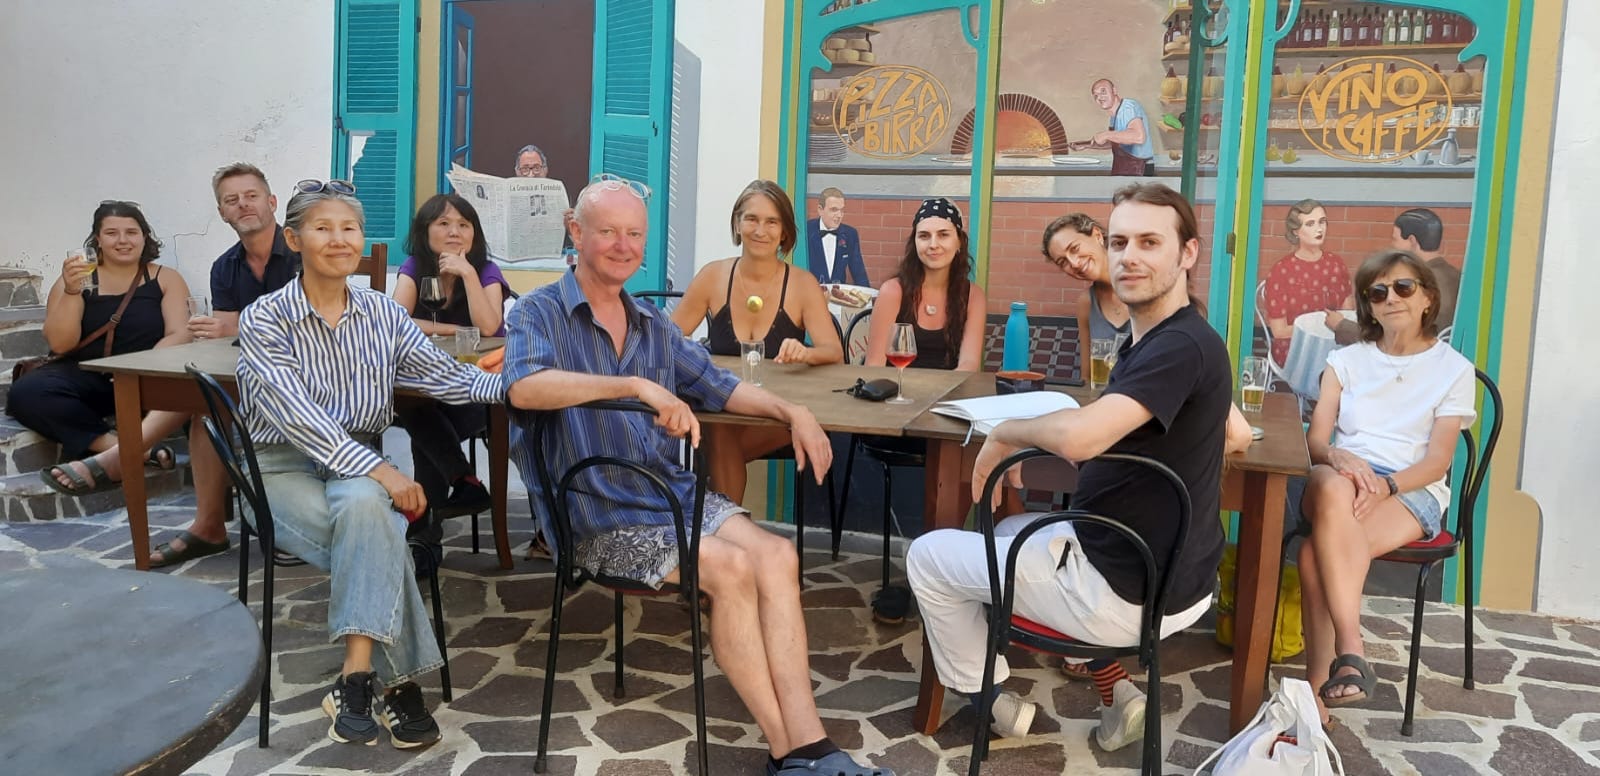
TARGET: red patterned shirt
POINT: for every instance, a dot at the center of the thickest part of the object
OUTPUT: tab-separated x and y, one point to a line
1296	287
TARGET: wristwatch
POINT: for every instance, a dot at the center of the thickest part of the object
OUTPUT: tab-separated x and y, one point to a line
1393	488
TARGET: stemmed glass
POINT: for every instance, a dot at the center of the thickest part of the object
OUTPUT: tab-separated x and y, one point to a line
902	351
430	291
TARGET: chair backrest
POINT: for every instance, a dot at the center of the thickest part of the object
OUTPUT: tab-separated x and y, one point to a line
1055	347
231	438
665	300
1157	586
375	266
854	355
554	487
1477	468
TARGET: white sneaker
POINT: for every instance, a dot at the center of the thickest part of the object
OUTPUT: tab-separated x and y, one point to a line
1012	716
1122	722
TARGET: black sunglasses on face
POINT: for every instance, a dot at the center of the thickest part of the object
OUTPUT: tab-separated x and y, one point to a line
1403	288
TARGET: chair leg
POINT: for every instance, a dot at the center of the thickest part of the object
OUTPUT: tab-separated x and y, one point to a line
438	633
985	709
618	691
1151	765
800	525
266	641
888	520
1416	647
1466	678
844	495
474	533
472	460
835	522
539	760
244	565
697	642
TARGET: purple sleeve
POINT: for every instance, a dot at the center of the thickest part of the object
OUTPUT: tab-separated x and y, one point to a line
491	275
408	268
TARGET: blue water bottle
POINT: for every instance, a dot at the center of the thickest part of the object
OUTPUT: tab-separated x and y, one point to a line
1018	347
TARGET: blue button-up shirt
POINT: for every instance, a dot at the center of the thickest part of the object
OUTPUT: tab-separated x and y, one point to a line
234	286
305	383
554	328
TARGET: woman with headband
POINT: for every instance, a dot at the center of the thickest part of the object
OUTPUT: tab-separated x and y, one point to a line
931	291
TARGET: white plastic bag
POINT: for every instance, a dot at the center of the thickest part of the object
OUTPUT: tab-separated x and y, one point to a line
1284	739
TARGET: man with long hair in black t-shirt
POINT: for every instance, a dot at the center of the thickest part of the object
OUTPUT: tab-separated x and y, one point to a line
1169	399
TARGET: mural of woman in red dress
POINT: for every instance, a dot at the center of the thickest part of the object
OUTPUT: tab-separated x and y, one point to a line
1309	279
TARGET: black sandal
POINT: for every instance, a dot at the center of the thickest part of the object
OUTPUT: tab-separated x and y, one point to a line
80	486
1366	681
161	457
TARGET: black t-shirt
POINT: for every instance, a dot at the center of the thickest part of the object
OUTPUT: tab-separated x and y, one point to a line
1180	372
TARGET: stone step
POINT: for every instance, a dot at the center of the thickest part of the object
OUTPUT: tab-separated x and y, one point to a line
19	288
21	336
25	498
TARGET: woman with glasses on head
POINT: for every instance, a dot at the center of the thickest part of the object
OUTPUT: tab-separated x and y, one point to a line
756	297
1076	244
319	363
150	307
447	246
1381	438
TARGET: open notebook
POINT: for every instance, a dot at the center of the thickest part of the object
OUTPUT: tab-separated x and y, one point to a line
986	412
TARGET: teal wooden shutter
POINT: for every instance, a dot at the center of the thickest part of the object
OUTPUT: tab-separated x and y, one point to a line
631	111
375	97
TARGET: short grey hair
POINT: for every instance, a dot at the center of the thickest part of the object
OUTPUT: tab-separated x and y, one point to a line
294	214
516	161
234	170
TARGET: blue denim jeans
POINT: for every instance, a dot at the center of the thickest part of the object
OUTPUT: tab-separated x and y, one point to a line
349	528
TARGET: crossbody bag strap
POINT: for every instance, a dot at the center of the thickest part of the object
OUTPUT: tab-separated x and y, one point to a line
110	327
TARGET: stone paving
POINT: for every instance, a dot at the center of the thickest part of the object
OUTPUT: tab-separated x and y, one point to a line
1536	709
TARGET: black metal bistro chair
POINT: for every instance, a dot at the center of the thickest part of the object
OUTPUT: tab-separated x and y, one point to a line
1448	544
231	439
1006	628
554	491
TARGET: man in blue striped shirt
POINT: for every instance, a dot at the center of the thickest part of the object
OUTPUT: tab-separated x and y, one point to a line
584	339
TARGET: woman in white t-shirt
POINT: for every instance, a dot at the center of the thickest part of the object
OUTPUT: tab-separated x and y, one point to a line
1392	406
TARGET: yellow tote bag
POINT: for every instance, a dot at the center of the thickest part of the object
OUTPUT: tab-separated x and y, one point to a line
1287	638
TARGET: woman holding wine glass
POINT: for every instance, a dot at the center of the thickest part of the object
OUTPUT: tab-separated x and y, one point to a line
753	297
932	297
928	316
448	272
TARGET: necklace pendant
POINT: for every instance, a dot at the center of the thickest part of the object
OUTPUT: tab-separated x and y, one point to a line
931	309
1400	378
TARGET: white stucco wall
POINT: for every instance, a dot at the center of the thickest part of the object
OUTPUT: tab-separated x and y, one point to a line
107	99
727	38
1560	456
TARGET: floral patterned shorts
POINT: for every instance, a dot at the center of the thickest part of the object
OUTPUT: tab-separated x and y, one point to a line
648	553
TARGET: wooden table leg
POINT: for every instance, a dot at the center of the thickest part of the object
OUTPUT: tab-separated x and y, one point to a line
946	501
499	455
1260	547
130	449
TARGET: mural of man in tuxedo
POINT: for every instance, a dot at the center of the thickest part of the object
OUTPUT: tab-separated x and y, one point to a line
834	247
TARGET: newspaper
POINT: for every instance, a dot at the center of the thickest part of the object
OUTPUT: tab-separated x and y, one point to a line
522	217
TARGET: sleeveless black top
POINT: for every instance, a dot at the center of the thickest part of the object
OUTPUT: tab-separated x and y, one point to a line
142	324
719	330
932	351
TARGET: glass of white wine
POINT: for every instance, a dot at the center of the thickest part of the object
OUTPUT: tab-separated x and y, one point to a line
91	257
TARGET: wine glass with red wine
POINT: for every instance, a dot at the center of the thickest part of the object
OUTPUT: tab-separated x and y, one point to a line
431	295
902	351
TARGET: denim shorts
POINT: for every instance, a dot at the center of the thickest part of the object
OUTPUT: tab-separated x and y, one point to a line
1422	504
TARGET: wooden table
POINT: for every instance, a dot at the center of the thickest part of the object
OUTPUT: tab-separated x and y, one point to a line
157	380
112	671
1253	484
818	389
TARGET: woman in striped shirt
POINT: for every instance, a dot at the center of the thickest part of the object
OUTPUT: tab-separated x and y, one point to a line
319	363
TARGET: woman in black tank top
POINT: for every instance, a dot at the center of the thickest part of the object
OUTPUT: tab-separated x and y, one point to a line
68	404
755	296
931	292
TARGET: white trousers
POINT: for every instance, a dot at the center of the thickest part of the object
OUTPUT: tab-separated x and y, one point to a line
950	576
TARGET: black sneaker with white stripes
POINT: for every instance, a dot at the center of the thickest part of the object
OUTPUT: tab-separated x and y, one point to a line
349	703
407	718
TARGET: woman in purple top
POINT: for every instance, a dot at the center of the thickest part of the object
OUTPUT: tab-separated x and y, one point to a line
446	241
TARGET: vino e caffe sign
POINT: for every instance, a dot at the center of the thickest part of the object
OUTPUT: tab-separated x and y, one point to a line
1375	109
892	112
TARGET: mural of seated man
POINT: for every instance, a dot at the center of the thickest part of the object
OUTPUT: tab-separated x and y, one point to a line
1420	232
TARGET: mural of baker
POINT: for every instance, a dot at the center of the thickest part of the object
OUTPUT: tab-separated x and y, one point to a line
1128	137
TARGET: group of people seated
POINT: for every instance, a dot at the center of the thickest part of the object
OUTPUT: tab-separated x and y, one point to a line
321	358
